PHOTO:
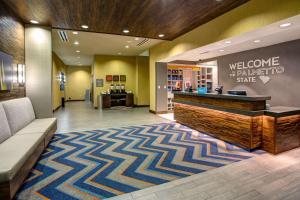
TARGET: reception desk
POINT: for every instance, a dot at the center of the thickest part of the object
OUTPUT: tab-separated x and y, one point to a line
240	120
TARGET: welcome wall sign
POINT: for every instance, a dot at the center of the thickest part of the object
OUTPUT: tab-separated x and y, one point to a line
258	69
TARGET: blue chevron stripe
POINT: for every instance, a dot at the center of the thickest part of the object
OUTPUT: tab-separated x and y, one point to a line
106	163
158	153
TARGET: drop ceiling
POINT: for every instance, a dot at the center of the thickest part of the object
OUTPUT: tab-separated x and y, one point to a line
266	36
90	44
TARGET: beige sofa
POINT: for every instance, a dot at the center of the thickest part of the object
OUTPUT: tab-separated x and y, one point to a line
22	139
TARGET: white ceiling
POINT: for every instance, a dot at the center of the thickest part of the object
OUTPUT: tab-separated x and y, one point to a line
269	35
91	44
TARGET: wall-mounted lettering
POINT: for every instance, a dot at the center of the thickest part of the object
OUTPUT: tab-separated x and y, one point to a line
258	69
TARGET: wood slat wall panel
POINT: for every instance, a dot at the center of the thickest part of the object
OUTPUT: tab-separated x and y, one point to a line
288	133
268	139
241	130
12	42
281	134
224	103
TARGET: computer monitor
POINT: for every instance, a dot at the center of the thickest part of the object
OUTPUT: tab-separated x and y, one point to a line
237	92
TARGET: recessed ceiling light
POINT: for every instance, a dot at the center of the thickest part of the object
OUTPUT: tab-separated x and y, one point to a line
136	38
228	42
84	26
256	41
219	0
285	25
77	51
161	35
119	53
75	32
34	22
221	50
76	43
127	46
126	31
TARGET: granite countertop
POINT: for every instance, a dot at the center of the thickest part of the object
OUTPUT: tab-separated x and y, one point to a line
227	96
282	111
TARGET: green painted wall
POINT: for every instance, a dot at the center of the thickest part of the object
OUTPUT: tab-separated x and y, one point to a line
135	68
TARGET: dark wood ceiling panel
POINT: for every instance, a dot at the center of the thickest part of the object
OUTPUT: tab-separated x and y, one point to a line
144	18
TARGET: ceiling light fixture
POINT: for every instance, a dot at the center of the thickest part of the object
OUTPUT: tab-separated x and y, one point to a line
228	42
84	26
221	50
34	22
126	31
127	46
136	39
76	43
119	53
256	41
161	35
75	33
285	25
77	51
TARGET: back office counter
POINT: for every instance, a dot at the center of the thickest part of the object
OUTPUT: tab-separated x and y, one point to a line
240	120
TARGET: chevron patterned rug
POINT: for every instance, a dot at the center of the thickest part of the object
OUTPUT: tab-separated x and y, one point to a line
104	163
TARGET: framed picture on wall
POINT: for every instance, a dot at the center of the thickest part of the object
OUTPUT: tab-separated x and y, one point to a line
116	78
99	82
122	77
6	72
109	78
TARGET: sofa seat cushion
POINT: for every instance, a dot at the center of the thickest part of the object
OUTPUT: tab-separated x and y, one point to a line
4	127
19	113
38	126
15	151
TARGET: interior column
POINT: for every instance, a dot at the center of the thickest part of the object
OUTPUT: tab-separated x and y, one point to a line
38	61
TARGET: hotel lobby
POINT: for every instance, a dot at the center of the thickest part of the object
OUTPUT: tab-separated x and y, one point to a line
150	100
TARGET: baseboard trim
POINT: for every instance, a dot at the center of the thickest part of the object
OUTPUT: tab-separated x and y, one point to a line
140	106
73	100
160	112
57	108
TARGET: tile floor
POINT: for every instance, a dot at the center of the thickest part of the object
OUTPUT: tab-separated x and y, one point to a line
260	178
80	116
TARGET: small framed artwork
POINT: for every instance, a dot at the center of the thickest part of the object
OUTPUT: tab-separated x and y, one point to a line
116	77
122	77
109	78
99	82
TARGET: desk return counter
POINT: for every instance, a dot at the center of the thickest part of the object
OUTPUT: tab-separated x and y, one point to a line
240	120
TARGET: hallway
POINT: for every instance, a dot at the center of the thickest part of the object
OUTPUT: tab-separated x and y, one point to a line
80	116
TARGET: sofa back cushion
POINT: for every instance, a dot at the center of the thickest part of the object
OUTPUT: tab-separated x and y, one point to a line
19	113
4	127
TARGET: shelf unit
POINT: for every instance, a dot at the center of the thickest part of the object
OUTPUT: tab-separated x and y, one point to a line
175	83
205	78
202	77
